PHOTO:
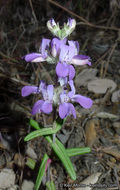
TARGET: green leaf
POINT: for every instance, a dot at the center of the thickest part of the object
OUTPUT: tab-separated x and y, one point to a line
63	156
50	185
77	151
44	131
30	163
34	124
41	172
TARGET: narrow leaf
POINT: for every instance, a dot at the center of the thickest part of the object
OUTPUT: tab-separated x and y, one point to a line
31	163
41	172
41	132
34	124
44	131
50	185
63	156
77	151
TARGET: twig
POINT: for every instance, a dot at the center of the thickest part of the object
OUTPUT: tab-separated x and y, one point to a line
8	57
108	60
33	13
103	56
85	22
18	41
99	26
15	80
105	98
70	12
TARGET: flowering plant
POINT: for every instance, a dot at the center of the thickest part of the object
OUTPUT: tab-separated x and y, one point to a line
58	98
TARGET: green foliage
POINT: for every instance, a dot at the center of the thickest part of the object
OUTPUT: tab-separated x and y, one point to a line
61	152
77	151
41	172
30	163
34	124
50	185
44	131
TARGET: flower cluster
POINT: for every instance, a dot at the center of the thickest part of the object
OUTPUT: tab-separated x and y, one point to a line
64	54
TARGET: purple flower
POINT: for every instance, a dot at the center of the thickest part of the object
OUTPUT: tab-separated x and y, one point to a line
39	57
74	44
81	60
66	108
46	54
45	105
56	45
69	55
27	90
64	70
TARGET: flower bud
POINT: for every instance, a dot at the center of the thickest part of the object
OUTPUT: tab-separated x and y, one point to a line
65	31
68	28
71	23
53	27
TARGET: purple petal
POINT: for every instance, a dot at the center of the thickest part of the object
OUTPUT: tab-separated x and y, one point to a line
64	53
62	69
63	110
71	72
34	57
71	53
50	90
72	92
54	51
83	101
46	107
54	46
71	22
81	60
66	109
72	110
64	98
52	22
44	46
37	107
42	86
27	90
75	44
64	41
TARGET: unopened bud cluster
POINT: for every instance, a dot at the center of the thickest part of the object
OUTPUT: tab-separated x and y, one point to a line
65	31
